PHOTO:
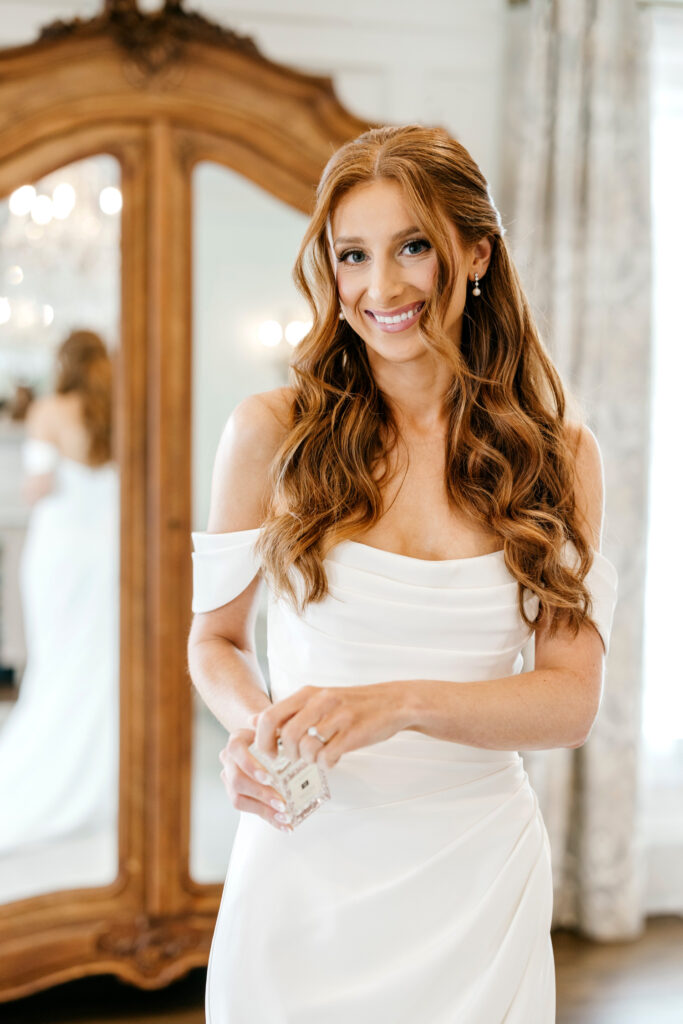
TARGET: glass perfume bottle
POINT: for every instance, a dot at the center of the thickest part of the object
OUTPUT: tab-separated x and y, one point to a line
302	786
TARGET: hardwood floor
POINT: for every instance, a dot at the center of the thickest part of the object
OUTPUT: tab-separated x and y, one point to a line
620	983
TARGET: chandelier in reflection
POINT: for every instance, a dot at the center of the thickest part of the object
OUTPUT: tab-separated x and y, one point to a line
59	266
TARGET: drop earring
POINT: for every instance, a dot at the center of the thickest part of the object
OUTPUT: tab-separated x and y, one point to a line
341	316
476	290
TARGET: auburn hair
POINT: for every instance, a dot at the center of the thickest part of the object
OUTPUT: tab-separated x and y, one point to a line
83	365
509	448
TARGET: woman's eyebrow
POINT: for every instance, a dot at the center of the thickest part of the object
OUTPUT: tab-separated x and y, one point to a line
394	238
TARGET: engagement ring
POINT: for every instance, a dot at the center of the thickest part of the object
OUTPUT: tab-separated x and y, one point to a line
314	732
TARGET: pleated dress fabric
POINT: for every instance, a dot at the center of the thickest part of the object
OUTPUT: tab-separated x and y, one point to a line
421	892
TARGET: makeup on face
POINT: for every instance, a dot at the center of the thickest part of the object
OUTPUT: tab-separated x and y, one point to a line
386	268
373	299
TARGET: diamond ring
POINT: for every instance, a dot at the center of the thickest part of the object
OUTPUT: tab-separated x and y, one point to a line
312	731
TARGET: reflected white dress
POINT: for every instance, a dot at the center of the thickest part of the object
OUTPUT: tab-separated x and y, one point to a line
421	893
59	745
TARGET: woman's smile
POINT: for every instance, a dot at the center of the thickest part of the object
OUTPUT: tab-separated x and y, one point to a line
401	320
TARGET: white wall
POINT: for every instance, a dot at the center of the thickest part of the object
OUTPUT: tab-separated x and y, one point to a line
245	244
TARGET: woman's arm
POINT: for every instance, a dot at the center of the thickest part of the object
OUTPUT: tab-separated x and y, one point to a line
538	710
221	656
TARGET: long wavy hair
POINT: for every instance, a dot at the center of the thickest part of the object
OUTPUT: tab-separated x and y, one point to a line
509	452
84	366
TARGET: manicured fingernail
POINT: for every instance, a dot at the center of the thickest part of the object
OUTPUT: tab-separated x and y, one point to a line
262	777
279	805
284	818
283	828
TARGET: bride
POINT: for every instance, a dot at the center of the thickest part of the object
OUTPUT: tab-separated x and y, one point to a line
58	747
410	502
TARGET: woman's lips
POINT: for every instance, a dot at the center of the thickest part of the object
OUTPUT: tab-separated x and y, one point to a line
402	325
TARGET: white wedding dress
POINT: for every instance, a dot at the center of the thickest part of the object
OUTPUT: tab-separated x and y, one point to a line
421	892
59	745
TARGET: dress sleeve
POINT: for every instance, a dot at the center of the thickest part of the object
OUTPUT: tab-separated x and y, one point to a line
38	456
602	582
223	565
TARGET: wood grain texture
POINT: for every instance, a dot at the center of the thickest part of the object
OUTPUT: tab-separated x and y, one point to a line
160	93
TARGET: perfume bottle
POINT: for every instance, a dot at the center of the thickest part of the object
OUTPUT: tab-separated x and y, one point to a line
302	786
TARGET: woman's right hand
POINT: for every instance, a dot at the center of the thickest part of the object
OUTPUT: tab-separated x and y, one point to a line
248	784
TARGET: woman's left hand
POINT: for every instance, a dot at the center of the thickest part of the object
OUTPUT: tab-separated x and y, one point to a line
349	717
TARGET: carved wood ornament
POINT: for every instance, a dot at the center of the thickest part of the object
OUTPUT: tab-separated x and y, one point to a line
159	92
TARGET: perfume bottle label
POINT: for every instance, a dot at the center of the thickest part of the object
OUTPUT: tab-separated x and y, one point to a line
304	787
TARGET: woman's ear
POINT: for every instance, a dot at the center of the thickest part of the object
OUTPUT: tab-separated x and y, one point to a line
481	255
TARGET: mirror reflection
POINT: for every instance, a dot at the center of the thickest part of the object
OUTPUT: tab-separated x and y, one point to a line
59	531
247	317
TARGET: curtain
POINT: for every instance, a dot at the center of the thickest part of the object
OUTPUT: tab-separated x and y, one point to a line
576	203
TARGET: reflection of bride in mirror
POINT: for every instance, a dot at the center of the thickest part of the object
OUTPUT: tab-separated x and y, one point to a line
58	748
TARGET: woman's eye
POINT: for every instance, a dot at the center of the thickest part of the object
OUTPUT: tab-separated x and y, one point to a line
419	241
350	252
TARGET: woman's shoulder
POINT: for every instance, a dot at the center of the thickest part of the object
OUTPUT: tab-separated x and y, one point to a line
254	432
261	421
578	434
585	449
276	402
589	480
54	408
42	418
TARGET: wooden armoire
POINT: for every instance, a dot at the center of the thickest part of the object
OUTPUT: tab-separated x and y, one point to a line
159	92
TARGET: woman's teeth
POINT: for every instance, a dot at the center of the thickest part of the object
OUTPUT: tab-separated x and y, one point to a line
400	318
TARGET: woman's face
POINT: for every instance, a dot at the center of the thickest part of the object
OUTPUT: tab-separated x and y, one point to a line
385	268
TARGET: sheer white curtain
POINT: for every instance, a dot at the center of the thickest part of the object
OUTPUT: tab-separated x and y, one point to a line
661	795
577	167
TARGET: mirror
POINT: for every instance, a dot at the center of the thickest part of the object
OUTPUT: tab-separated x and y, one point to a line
247	316
59	531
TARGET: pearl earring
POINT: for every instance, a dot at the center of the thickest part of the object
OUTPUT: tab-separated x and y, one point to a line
341	316
476	290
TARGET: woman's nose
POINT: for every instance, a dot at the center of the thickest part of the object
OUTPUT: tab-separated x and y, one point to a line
384	284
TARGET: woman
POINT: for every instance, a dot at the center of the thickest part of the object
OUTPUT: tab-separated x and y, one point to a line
58	748
420	507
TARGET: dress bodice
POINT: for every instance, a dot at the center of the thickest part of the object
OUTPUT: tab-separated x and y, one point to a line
390	616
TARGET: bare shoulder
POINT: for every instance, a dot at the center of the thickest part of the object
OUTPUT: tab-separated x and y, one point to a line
42	418
279	402
252	435
258	425
589	481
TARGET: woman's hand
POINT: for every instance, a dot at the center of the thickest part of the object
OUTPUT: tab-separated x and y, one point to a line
248	784
349	717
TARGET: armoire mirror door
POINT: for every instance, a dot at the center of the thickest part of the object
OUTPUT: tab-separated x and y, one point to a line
59	530
162	94
57	900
